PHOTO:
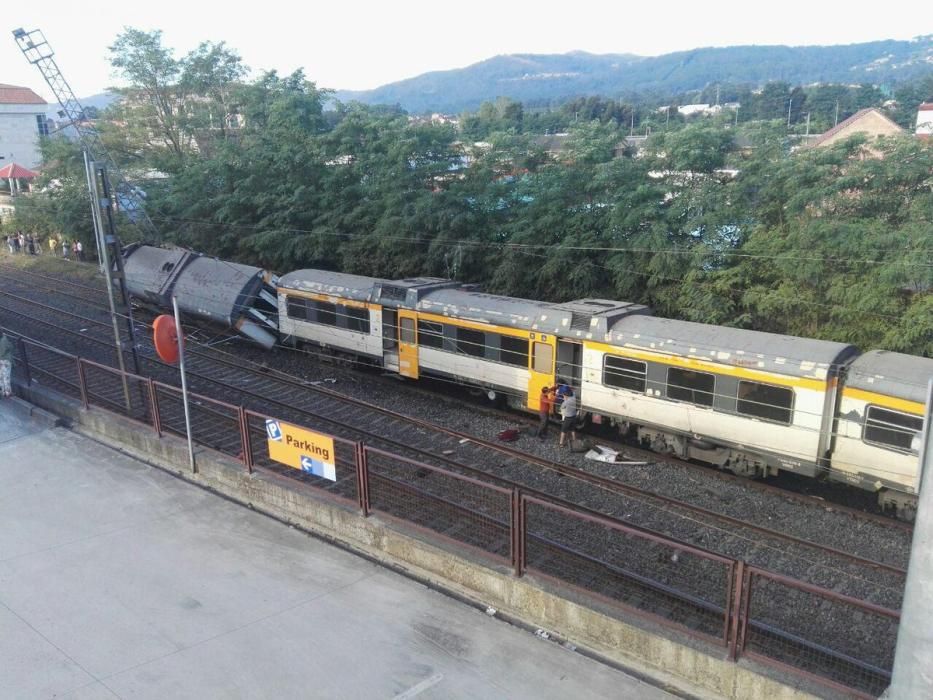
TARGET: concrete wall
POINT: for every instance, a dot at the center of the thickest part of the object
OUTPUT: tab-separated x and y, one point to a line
678	662
19	134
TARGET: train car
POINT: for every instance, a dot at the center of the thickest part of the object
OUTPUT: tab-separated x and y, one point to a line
752	402
879	425
229	295
441	328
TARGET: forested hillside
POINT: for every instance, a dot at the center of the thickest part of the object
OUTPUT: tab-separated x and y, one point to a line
710	222
550	79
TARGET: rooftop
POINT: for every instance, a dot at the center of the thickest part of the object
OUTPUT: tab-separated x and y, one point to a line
15	95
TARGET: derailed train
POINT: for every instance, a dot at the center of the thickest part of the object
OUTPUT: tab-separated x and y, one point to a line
751	402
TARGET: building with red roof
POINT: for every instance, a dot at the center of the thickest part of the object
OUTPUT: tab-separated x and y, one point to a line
22	122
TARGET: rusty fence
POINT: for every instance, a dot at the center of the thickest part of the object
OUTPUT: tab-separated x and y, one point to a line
794	626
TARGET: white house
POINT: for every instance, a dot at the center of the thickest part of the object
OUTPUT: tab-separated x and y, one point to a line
925	120
22	121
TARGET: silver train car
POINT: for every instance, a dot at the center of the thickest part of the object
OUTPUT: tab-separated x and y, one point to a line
751	402
229	295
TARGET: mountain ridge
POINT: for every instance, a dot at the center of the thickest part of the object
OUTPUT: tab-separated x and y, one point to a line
543	78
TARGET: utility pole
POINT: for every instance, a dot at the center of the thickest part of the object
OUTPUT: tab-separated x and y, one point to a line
790	104
95	212
913	657
112	259
836	120
808	123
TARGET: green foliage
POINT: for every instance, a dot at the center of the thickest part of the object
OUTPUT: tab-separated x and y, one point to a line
712	221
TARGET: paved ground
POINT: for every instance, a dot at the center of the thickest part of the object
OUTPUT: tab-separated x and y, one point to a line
120	581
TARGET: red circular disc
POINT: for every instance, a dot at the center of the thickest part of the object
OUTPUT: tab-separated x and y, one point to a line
165	338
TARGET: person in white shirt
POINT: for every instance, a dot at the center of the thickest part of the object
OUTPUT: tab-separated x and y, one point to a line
568	414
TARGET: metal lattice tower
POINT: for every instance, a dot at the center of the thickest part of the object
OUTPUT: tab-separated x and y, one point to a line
39	53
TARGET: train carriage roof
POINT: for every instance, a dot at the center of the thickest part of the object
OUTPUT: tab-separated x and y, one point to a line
357	287
769	352
573	319
892	374
492	309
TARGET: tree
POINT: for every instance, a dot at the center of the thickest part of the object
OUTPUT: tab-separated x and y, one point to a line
151	100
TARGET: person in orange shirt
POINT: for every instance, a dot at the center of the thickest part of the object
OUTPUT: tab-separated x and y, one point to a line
544	411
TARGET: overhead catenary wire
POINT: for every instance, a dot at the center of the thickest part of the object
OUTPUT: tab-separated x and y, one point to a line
508	245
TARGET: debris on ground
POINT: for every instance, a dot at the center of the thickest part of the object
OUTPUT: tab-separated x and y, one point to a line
510	435
601	453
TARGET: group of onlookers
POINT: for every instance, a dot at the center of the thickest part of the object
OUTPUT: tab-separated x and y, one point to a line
29	245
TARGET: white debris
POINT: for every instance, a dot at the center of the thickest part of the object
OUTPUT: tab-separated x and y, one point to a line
491	611
542	634
601	453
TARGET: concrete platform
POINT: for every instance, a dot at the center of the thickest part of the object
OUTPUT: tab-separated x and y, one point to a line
118	580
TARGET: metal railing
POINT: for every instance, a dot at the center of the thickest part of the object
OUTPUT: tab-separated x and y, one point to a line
834	639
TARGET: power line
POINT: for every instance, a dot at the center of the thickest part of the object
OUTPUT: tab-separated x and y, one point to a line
452	243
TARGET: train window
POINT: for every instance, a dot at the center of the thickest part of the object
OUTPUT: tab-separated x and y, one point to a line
624	374
406	331
766	401
544	358
327	313
431	335
357	319
891	428
297	308
690	386
513	351
470	342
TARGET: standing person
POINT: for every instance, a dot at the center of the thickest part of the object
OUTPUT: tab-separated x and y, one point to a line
9	243
568	414
544	411
33	244
53	242
66	249
6	366
79	250
22	242
15	238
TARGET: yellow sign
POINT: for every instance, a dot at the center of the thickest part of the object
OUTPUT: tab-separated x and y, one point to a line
302	449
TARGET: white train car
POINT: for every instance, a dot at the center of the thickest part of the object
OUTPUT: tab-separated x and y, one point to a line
751	402
879	426
332	310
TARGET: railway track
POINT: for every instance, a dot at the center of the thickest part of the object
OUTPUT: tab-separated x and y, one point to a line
215	374
646	578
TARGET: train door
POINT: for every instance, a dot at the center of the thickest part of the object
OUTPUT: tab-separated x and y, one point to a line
408	343
541	367
570	363
389	339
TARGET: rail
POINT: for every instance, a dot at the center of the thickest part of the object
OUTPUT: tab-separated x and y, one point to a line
622	569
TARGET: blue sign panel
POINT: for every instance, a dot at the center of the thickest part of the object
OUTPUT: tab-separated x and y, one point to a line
274	430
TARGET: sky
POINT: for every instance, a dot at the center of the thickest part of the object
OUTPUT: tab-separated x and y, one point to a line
360	45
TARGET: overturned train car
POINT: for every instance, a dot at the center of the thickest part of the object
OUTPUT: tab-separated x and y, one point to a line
229	295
